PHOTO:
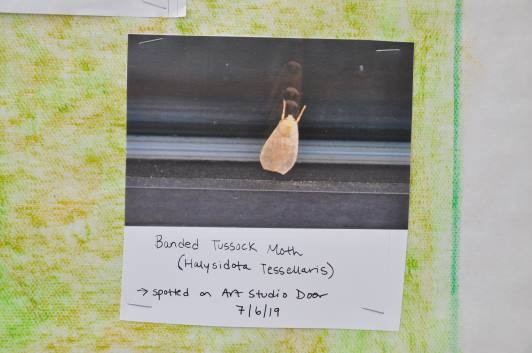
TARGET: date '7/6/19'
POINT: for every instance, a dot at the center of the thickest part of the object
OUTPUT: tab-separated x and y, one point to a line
262	311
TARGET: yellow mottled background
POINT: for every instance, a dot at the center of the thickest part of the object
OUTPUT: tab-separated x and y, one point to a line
62	176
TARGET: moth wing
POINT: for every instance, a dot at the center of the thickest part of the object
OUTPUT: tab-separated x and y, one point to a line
279	153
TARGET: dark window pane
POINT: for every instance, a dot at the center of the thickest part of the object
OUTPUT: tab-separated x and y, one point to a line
218	86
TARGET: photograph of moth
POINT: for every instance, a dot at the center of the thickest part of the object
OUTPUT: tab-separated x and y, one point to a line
279	153
280	150
268	132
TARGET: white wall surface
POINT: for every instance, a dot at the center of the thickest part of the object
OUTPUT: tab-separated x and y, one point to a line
496	126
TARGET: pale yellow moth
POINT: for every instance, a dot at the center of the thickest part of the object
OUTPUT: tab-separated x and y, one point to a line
279	152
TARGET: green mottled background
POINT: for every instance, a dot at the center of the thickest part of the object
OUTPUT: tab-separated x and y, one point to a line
62	162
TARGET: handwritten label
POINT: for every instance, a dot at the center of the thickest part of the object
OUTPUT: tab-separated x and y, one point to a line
262	277
135	8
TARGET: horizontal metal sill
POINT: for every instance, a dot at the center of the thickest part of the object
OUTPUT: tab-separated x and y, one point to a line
241	194
267	186
265	203
248	150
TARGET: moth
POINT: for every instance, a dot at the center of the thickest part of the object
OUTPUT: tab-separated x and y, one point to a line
279	152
